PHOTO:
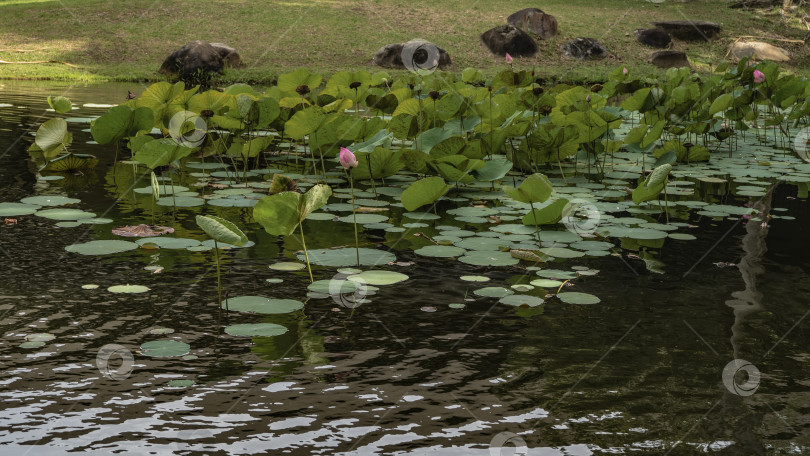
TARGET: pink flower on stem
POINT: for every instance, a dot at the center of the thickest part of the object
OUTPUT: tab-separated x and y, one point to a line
508	58
347	158
758	76
625	71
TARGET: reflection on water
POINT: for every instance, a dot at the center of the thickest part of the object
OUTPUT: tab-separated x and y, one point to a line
639	372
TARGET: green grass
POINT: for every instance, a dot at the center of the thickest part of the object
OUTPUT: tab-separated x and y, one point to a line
128	40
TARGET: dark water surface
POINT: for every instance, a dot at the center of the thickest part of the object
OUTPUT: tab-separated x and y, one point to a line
640	372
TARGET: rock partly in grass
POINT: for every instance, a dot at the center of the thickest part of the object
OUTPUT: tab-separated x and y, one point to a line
533	20
669	59
509	39
583	48
654	37
415	54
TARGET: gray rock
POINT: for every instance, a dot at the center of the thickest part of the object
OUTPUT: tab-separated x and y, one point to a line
533	20
669	59
655	37
230	58
507	38
584	48
414	55
690	30
759	51
198	60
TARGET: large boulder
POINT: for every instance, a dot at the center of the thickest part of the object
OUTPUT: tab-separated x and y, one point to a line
690	30
533	20
669	59
759	51
654	37
507	38
230	58
414	55
584	48
196	61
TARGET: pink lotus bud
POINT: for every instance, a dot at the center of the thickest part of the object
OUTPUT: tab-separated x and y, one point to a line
347	158
625	71
588	98
758	76
508	58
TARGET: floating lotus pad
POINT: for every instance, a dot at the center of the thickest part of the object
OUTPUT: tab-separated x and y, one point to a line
479	258
49	200
347	257
15	209
102	247
440	251
378	277
363	219
681	236
180	383
34	344
493	292
287	266
165	348
40	337
210	244
161	331
482	243
578	298
521	300
473	278
128	289
456	306
89	286
164	189
274	280
334	286
64	214
561	252
546	283
169	242
255	330
262	305
556	274
180	201
69	224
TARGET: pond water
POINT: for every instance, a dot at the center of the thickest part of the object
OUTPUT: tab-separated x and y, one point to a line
401	372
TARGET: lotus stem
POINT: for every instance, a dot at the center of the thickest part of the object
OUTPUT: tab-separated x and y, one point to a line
666	203
354	216
219	283
306	255
536	225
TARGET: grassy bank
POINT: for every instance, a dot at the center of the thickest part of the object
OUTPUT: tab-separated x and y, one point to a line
128	40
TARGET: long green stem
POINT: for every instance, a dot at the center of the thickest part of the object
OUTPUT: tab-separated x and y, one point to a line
306	255
219	284
536	225
354	216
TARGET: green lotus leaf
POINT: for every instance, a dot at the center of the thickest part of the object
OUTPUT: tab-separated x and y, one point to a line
165	348
255	330
535	189
221	230
424	191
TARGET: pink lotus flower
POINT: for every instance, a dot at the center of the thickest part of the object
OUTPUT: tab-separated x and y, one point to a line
347	158
508	58
625	71
758	76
